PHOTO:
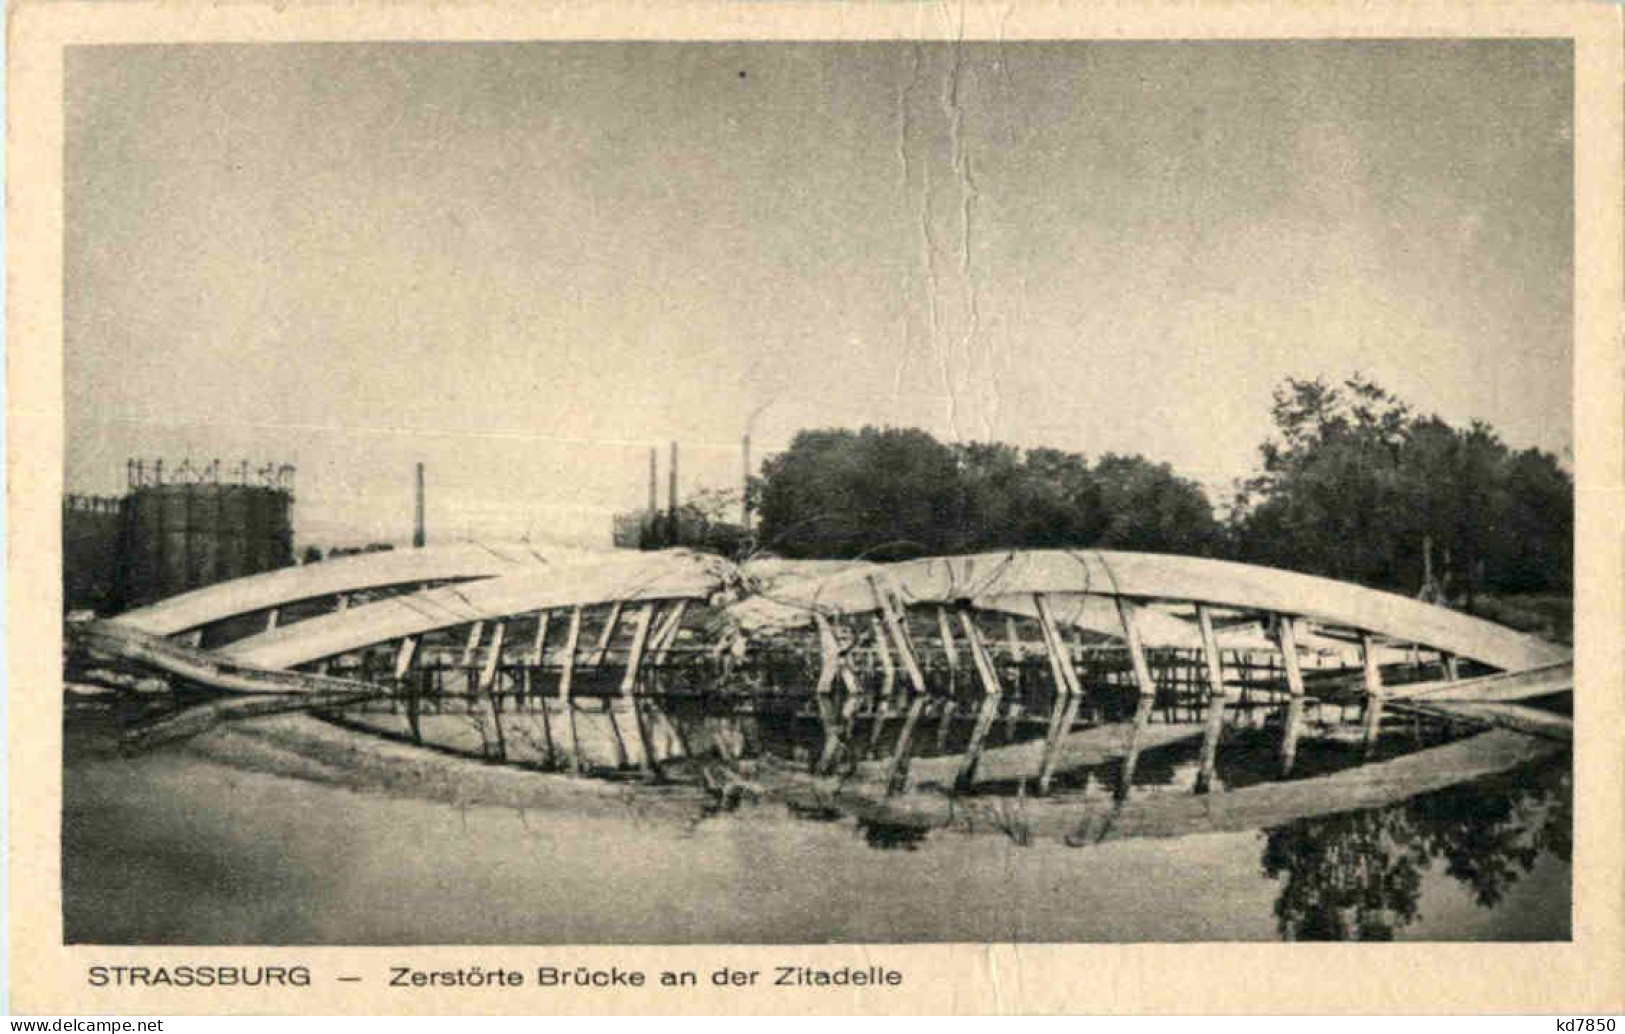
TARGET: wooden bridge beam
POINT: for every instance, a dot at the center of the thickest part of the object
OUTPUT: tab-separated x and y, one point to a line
1142	719
896	777
992	692
607	636
666	637
1292	728
950	650
1217	697
1373	689
538	646
404	656
475	630
829	718
629	683
572	639
1136	648
1148	694
1068	690
888	682
487	686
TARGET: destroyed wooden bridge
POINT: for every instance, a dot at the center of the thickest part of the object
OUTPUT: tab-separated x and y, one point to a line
922	694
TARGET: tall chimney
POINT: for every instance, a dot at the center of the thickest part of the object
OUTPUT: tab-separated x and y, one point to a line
744	484
671	493
653	513
419	533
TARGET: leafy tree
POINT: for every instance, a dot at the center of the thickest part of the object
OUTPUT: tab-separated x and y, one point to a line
1535	549
1146	506
838	493
1358	875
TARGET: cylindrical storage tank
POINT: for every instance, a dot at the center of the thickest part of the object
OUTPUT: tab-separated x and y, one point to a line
203	534
143	546
278	548
232	561
181	537
267	532
176	504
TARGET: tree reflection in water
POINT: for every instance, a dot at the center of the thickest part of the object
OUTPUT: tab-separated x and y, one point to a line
1358	876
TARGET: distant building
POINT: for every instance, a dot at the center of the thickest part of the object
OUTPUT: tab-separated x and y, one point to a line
638	529
91	526
631	530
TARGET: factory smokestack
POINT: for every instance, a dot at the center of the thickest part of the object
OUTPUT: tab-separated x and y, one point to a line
744	484
671	493
653	513
419	532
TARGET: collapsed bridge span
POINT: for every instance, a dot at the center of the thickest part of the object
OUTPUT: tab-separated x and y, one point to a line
959	672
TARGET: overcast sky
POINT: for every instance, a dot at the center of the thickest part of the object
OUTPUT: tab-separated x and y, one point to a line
523	264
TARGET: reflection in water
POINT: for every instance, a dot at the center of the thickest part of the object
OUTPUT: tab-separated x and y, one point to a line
1358	876
884	836
292	832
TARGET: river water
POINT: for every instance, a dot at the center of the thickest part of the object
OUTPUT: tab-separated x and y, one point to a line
180	847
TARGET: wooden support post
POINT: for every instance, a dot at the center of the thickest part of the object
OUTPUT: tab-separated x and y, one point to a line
1012	637
572	639
474	632
1373	689
1142	718
403	665
829	664
1136	649
828	654
1452	671
1013	714
404	656
493	657
896	776
272	616
992	692
888	685
640	641
1217	696
888	670
1068	691
877	725
668	631
538	646
950	650
629	683
1291	730
945	631
1293	727
899	631
601	652
487	685
849	679
829	722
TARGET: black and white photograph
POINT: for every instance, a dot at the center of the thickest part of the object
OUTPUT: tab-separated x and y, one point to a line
636	493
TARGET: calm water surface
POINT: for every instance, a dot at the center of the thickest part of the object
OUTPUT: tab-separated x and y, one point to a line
174	848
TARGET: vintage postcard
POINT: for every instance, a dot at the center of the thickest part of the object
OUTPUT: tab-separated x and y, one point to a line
780	508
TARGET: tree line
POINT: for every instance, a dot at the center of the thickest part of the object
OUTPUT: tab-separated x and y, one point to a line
1352	484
